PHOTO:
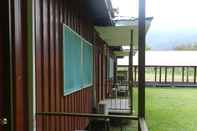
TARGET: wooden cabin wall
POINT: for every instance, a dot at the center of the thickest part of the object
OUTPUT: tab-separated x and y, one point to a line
16	35
109	82
49	18
103	84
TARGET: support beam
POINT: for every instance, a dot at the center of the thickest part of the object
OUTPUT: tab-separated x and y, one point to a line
131	73
141	44
115	70
94	102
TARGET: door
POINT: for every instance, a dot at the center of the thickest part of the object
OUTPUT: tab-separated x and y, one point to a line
4	67
4	87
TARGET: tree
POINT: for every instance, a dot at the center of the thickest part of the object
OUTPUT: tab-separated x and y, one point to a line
148	47
192	46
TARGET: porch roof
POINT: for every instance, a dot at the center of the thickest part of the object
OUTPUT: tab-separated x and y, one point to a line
100	11
120	34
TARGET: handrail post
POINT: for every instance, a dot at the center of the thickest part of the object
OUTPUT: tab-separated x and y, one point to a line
155	74
183	73
187	74
166	74
173	76
160	74
194	74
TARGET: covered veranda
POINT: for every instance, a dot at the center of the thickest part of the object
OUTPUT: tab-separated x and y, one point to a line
121	107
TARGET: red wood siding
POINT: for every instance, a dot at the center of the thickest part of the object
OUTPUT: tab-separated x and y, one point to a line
50	15
49	18
103	85
19	64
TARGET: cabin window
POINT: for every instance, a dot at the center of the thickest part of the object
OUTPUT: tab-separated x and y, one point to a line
77	61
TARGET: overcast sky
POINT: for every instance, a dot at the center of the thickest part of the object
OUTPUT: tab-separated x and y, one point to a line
169	15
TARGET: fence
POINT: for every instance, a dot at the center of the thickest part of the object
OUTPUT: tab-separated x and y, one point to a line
168	76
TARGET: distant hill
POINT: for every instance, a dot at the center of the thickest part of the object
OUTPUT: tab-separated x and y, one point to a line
168	40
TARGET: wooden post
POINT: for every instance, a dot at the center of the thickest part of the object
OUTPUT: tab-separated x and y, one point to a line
131	73
183	73
173	76
195	75
94	101
166	74
115	70
136	73
155	74
141	60
187	74
160	74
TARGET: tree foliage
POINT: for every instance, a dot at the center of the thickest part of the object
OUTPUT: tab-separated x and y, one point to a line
192	46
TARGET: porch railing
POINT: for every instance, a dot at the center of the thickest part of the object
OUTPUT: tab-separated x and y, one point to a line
47	115
168	75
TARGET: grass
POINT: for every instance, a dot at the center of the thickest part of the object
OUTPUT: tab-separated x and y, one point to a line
168	109
171	109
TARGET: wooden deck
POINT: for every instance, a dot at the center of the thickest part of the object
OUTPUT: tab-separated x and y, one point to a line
117	105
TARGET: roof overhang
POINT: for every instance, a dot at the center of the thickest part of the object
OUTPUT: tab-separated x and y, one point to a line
101	12
120	35
124	52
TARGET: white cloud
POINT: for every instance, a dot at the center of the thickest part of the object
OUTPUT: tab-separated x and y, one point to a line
166	13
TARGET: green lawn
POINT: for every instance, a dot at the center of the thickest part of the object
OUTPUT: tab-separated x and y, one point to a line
168	109
171	109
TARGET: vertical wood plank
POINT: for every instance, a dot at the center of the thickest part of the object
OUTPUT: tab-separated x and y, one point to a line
38	46
51	63
49	45
45	59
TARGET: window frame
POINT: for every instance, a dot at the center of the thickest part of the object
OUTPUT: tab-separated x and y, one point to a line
83	41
